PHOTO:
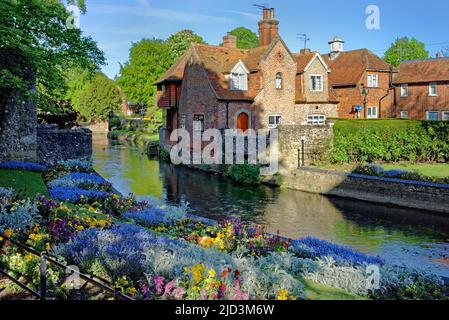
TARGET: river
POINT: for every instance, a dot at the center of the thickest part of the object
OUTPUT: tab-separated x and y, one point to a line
415	238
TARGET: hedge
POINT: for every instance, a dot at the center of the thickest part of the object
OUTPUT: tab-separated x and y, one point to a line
362	141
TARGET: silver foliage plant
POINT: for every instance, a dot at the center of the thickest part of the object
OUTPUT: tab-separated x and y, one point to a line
76	164
22	216
6	192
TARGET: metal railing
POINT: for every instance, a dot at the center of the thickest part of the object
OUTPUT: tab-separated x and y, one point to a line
45	260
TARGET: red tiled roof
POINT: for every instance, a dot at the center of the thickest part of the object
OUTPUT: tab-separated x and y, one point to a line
349	66
423	71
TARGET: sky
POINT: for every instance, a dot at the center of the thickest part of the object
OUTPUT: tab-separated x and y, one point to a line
116	24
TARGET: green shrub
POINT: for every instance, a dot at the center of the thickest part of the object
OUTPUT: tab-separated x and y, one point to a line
363	141
243	173
164	155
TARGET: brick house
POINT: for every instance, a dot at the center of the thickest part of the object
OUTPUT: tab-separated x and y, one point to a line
225	87
421	90
355	73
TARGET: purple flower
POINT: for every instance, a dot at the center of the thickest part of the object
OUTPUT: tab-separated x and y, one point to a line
178	293
158	282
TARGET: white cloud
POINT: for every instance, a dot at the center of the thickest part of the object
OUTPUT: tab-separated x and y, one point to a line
145	10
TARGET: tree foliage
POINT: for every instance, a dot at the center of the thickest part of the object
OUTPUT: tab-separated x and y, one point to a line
100	97
246	39
179	42
38	30
405	49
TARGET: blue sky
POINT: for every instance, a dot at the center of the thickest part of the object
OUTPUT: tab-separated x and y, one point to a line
115	24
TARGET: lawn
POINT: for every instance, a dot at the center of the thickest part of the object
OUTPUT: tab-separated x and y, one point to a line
436	170
25	183
317	291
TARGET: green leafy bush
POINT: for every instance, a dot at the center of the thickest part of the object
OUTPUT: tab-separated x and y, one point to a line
243	173
363	141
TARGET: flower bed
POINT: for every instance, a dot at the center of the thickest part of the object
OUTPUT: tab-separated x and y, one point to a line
152	251
28	166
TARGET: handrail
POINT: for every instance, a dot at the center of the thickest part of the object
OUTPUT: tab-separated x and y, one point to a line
45	258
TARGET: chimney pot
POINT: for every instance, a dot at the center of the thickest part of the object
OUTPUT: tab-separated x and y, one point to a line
268	27
230	41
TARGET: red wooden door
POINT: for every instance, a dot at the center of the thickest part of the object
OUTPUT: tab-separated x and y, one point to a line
243	121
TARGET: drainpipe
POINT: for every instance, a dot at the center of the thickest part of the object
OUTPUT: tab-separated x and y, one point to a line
227	114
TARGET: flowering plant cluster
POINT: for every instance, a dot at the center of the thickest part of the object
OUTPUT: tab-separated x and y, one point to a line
74	194
28	166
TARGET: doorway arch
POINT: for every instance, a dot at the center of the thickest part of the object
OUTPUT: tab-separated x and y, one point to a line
243	120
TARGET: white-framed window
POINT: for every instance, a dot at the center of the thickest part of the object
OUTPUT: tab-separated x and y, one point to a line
316	82
163	90
445	116
278	81
183	121
198	122
274	121
433	91
404	115
372	112
373	81
433	115
404	90
316	119
239	77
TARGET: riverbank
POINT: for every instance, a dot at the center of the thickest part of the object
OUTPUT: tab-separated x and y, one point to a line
242	262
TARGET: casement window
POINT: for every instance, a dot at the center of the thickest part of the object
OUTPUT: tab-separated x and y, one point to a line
278	81
372	112
316	83
198	122
433	91
274	121
432	115
373	81
239	82
316	119
404	114
183	121
404	90
445	116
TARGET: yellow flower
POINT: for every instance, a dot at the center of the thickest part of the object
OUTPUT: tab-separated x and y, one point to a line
186	270
198	272
48	246
132	291
206	242
79	228
91	209
29	257
9	233
283	295
212	273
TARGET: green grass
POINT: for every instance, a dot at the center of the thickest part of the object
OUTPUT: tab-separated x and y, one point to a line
317	291
25	183
435	170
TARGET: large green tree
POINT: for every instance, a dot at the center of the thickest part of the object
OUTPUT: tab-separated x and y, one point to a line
179	42
99	98
246	39
405	49
40	32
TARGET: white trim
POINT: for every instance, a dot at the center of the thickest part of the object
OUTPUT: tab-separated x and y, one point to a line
368	80
318	122
443	113
239	64
404	87
317	55
277	124
404	111
372	116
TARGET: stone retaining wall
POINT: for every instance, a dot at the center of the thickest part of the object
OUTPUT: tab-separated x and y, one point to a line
66	144
411	194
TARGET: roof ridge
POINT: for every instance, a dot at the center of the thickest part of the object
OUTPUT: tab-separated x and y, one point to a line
424	60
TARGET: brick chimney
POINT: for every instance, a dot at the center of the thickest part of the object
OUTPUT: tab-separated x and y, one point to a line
438	55
230	41
268	27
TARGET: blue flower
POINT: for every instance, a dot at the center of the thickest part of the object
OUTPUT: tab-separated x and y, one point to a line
73	194
150	216
86	177
316	248
28	166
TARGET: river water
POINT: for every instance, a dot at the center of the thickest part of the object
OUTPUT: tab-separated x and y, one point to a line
415	238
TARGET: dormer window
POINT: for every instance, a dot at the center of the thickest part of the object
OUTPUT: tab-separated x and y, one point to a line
239	77
433	92
278	81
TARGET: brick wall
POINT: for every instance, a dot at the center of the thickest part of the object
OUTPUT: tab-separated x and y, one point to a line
419	101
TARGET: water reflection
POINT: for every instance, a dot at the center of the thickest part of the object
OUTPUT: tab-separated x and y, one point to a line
402	235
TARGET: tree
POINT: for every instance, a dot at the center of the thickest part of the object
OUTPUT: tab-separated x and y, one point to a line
77	80
246	39
148	60
179	42
405	49
100	97
38	30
